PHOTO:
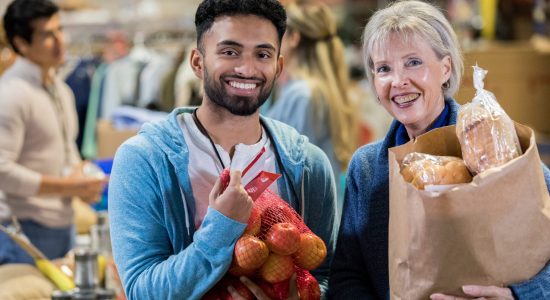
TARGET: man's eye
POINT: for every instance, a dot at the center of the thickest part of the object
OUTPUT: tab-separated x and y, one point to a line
264	55
229	52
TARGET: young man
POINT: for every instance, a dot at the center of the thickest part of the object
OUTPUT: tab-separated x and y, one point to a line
37	135
173	233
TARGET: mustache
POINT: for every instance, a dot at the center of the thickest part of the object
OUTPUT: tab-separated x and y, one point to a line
235	76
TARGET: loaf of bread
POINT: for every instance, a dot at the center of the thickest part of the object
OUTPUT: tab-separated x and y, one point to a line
487	137
486	133
422	169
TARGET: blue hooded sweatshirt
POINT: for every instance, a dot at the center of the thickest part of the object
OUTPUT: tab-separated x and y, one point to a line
158	252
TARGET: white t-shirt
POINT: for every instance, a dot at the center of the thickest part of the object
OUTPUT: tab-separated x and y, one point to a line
205	168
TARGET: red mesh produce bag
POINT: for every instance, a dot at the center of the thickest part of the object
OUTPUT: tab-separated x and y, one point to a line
276	243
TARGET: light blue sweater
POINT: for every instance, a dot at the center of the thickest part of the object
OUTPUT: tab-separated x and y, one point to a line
158	253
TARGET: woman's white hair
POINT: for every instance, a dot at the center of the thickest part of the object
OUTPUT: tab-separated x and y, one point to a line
414	19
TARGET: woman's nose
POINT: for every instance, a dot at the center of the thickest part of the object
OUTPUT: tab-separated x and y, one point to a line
400	80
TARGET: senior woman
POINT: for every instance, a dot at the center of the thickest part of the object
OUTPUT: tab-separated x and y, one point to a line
414	65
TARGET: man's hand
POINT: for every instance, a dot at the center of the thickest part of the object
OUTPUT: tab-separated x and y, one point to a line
260	295
479	292
86	188
234	202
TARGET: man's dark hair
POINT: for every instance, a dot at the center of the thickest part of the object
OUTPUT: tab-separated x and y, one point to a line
21	13
209	10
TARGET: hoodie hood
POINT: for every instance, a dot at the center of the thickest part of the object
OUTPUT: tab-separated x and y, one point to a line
288	144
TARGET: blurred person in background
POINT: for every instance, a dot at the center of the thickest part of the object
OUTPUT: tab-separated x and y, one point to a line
312	91
39	161
414	65
172	229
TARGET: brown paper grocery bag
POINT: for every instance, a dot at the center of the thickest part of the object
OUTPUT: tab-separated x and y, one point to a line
493	231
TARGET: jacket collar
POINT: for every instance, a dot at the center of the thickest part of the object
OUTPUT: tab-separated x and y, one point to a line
28	70
288	145
389	140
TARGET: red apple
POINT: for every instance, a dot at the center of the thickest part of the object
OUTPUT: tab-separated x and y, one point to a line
254	222
308	287
311	251
278	213
236	270
281	289
283	238
275	291
277	268
267	288
238	286
224	179
250	252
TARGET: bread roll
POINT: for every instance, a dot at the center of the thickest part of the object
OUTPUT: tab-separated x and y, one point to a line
424	169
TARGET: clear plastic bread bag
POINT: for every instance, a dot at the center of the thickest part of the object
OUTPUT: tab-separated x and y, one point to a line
486	133
423	170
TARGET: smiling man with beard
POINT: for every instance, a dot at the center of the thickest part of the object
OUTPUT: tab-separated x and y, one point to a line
173	232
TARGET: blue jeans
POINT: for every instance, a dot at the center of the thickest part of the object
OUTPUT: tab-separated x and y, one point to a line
53	242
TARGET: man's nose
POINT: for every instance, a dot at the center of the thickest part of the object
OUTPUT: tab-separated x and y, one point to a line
246	67
59	36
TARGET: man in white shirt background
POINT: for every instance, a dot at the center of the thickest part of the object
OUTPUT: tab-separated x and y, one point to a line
38	126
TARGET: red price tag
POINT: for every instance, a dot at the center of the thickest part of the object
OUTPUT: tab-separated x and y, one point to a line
260	183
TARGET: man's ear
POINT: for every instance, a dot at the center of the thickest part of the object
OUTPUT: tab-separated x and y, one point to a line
21	45
196	62
280	65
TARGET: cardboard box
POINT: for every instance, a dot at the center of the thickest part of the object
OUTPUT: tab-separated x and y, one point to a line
520	79
110	138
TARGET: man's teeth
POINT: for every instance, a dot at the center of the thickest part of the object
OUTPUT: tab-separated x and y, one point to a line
405	99
240	85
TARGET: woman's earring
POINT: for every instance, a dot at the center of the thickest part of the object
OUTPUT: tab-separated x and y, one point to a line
445	86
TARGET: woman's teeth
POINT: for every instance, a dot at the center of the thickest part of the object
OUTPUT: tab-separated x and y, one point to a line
405	98
244	86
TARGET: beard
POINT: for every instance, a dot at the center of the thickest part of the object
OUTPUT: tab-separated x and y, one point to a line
237	105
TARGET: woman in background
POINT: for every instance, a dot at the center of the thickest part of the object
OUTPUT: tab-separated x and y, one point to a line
312	90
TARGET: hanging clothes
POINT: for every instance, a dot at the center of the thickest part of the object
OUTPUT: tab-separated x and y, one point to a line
80	81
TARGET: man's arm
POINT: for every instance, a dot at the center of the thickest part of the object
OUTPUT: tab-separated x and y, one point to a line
14	178
144	253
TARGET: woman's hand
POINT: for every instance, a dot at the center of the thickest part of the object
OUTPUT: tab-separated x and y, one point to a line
260	295
479	292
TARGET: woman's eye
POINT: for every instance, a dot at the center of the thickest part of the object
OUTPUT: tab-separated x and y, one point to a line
382	69
414	62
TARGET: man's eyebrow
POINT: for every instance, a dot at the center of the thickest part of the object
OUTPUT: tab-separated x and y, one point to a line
266	46
237	44
230	43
